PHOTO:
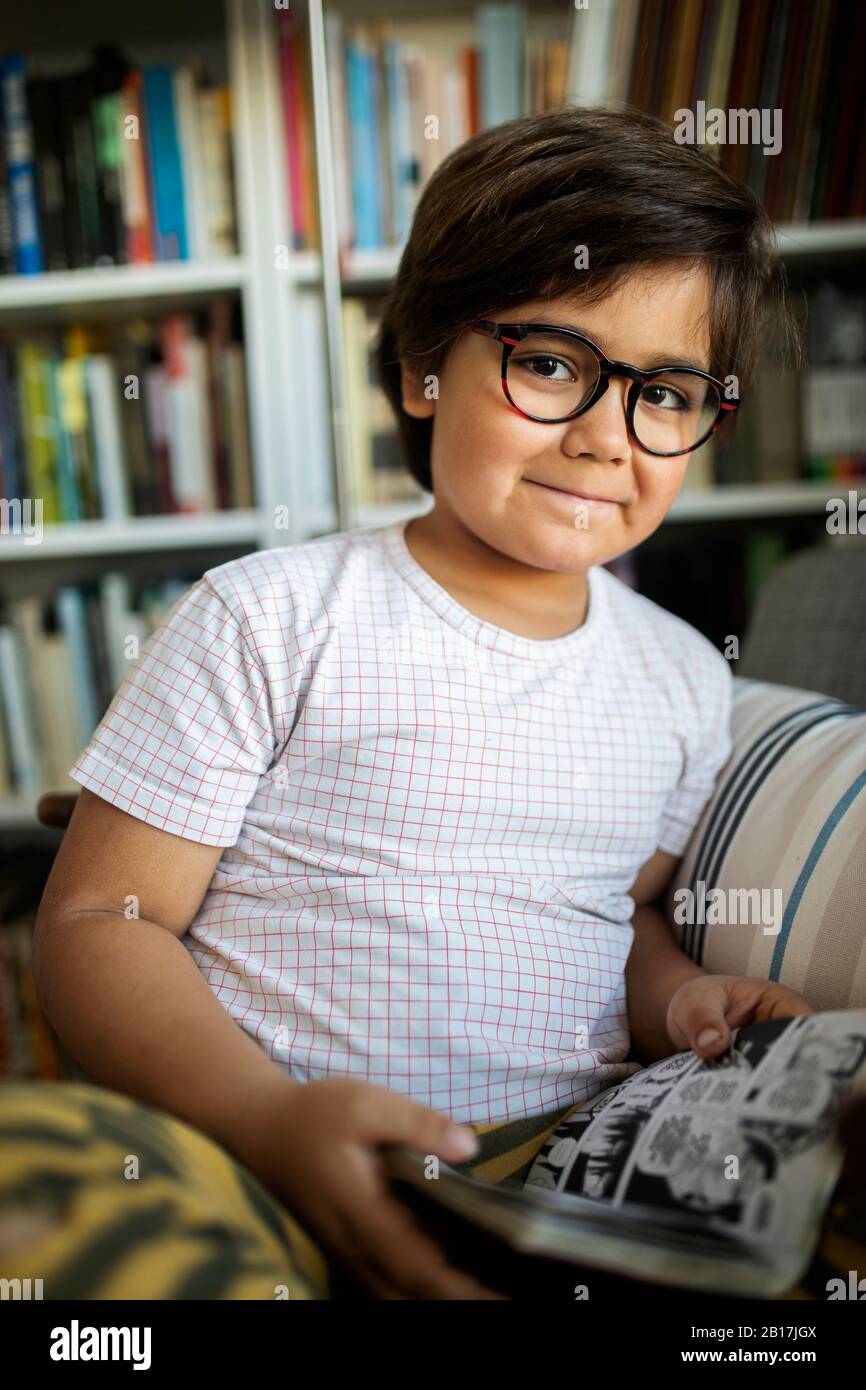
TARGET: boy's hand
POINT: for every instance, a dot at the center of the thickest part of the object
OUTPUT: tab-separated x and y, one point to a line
704	1009
316	1146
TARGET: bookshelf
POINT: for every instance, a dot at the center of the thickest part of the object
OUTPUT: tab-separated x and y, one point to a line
129	287
595	71
76	539
299	438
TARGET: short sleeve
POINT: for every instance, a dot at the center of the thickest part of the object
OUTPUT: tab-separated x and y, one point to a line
708	748
189	732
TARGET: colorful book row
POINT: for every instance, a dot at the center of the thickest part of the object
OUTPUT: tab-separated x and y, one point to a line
136	420
113	165
61	660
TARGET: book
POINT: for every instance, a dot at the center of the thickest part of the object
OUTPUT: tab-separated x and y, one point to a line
187	417
501	44
43	102
833	390
137	213
589	76
7	240
192	164
214	125
317	479
20	166
106	115
335	49
71	613
708	1176
104	409
167	191
234	410
367	212
94	426
34	386
62	658
110	164
16	695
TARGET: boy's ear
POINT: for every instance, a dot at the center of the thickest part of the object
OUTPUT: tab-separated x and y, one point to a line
415	402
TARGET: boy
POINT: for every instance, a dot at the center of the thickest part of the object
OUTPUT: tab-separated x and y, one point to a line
389	810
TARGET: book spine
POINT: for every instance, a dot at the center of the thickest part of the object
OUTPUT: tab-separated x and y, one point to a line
17	700
502	40
233	391
365	161
73	624
336	53
42	98
70	502
108	440
165	171
20	166
214	112
38	429
107	127
11	441
192	173
137	218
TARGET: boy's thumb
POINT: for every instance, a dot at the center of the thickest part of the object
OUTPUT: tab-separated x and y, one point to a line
706	1030
709	1037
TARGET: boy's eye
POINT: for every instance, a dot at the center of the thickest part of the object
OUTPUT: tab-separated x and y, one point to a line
546	367
665	397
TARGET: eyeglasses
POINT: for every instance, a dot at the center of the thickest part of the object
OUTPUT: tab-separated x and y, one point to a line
669	410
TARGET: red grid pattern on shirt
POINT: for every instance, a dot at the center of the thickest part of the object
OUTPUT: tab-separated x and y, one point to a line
427	857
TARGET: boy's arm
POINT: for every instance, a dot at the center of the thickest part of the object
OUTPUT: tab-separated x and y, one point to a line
707	1007
125	995
656	966
128	1000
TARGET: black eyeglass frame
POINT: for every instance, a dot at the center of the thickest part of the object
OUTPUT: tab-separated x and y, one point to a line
511	334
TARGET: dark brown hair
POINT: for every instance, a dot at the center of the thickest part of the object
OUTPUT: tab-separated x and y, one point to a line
499	220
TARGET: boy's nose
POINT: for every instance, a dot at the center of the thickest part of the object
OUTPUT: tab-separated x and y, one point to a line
601	431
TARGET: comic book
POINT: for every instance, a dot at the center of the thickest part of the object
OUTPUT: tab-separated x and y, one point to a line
711	1176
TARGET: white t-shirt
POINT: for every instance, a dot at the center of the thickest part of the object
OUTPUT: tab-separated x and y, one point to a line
430	824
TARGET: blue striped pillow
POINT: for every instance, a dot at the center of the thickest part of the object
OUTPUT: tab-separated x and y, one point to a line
773	881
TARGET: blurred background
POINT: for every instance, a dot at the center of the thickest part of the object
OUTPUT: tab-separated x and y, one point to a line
201	208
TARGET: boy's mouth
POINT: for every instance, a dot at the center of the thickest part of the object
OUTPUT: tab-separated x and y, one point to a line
572	496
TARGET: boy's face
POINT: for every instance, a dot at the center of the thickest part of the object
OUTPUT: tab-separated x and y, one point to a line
490	465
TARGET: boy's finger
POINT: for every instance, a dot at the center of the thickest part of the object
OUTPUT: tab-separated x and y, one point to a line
705	1028
390	1242
392	1119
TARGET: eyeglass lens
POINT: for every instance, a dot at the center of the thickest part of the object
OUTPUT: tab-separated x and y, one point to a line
550	374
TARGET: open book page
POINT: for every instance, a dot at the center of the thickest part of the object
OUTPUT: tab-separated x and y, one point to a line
745	1143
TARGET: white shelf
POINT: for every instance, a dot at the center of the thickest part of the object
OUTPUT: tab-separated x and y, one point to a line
798	240
386	513
19	813
182	531
375	267
120	283
716	503
761	499
795	240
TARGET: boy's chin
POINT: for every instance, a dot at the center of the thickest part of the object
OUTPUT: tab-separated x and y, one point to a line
558	548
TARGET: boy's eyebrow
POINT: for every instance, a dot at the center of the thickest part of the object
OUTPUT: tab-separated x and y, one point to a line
677	359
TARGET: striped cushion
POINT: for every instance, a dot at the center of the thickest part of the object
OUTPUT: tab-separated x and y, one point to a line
788	813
